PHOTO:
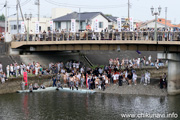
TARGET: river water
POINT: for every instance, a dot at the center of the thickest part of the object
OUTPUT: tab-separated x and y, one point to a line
59	105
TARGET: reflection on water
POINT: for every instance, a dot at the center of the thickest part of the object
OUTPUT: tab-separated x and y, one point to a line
77	106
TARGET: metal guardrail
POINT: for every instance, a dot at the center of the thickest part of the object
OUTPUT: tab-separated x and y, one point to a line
66	36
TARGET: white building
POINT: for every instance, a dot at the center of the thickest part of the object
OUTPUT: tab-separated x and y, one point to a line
85	18
58	12
43	24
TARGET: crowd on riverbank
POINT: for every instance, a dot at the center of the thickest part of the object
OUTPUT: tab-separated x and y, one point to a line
74	73
136	62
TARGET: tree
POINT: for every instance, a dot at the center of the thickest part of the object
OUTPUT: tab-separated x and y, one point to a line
108	15
2	17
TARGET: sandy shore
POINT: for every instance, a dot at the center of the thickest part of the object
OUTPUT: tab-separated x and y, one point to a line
139	89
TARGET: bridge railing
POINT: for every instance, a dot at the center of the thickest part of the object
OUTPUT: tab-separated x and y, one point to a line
66	36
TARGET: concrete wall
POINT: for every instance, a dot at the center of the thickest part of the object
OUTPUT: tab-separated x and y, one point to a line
44	23
152	25
58	12
100	18
12	85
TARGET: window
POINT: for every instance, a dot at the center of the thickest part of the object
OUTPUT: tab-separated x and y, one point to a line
15	27
49	28
100	24
39	28
19	26
59	24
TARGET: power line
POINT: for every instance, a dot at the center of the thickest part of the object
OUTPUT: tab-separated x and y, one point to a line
84	6
3	6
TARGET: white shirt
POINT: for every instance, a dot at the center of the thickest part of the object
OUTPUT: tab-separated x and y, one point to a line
147	75
149	58
77	65
82	70
74	65
134	76
11	68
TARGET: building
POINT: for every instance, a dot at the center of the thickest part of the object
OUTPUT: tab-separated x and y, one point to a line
113	22
2	26
58	12
160	24
85	18
43	25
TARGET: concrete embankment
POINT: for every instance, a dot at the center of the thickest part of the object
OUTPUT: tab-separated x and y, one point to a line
153	89
14	84
139	89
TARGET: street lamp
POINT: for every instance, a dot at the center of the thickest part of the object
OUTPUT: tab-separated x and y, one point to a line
28	17
156	14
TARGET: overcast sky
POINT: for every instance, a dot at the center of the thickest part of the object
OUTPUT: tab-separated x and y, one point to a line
140	9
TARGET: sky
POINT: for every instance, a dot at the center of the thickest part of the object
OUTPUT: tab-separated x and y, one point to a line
140	9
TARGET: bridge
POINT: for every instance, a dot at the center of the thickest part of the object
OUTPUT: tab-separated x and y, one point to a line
144	41
166	42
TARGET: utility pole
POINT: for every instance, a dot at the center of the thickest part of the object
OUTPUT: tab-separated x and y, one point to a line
128	9
6	21
37	2
79	19
165	18
21	14
38	10
17	17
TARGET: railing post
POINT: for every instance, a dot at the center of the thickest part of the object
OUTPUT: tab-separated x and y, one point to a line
86	35
99	36
133	36
52	36
175	37
120	35
63	36
148	36
45	36
74	36
112	35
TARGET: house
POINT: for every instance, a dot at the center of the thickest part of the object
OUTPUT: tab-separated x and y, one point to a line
2	26
113	22
161	23
58	12
85	18
43	25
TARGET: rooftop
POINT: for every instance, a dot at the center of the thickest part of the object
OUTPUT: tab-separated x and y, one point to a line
83	16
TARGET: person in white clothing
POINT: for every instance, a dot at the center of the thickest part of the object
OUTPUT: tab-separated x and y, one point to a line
147	78
77	66
1	67
11	69
134	78
149	58
36	70
7	69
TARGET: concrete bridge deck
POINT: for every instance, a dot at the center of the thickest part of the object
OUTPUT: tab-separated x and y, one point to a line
145	45
98	41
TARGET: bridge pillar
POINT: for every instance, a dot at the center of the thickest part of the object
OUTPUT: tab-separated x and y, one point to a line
173	72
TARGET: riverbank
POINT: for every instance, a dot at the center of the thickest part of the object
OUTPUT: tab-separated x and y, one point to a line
13	84
139	89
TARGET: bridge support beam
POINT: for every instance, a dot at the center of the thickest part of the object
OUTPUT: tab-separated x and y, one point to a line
173	71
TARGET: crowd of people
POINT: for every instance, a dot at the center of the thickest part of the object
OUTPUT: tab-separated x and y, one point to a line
74	74
136	62
106	34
